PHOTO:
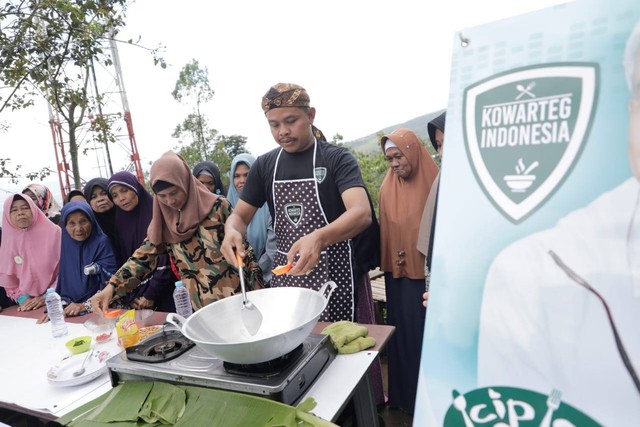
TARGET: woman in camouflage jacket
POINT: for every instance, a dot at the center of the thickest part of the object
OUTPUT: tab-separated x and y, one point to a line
188	224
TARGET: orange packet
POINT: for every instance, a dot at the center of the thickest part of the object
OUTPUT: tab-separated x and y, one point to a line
127	329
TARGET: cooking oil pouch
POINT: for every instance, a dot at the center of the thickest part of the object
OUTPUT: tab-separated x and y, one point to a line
127	329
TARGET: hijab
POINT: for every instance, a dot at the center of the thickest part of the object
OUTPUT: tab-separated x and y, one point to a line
211	169
29	257
401	205
132	226
257	229
73	284
106	220
176	225
45	201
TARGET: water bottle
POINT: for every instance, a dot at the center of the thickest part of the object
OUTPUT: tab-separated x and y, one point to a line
91	269
182	300
56	313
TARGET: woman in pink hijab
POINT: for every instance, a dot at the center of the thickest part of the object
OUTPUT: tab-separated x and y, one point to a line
30	252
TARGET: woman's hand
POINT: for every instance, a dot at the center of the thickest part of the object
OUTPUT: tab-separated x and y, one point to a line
74	309
101	300
141	303
43	319
32	303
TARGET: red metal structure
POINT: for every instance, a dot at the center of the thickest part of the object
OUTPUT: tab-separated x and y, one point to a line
65	172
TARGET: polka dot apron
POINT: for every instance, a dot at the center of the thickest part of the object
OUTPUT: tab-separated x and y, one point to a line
298	212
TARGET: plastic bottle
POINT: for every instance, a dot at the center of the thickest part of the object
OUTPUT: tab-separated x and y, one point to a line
56	313
182	300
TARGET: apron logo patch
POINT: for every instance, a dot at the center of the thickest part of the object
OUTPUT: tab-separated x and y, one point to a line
524	131
321	174
293	212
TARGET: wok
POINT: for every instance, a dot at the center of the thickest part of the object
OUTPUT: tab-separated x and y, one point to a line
289	316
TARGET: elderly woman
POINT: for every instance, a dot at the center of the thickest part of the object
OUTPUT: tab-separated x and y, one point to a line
43	198
134	210
208	173
30	252
403	194
188	224
86	259
259	232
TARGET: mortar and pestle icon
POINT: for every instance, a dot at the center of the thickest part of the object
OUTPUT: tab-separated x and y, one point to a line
522	181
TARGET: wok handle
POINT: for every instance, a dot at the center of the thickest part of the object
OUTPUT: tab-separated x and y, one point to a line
331	285
176	320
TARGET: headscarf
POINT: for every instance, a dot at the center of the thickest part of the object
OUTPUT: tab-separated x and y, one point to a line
36	248
212	170
170	225
436	123
74	193
401	205
73	284
106	220
257	229
45	201
132	226
289	95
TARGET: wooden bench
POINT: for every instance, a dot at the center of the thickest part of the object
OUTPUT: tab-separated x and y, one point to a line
379	295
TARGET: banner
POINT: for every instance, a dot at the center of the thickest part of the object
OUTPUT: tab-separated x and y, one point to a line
534	315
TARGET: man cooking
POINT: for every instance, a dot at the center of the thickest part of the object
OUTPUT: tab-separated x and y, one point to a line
316	197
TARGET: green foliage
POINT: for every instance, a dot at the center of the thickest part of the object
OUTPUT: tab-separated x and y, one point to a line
197	139
233	145
14	174
193	85
43	44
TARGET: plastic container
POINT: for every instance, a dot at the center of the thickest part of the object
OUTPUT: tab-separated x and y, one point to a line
182	300
56	313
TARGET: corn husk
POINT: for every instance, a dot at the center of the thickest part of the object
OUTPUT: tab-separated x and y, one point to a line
203	407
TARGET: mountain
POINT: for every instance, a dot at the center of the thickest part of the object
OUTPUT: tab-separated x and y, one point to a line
368	144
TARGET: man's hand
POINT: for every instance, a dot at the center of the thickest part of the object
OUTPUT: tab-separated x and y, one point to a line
100	301
232	243
305	254
425	299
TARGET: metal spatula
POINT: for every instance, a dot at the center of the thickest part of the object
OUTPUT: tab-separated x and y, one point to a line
251	316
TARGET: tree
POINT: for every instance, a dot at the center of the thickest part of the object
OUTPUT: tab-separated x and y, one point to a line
233	145
47	48
192	87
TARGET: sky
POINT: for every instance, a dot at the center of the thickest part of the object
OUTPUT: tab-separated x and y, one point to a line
365	64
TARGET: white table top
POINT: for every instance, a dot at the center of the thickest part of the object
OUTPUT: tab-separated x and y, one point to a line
29	351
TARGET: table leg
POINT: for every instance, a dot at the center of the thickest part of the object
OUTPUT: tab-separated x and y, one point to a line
364	404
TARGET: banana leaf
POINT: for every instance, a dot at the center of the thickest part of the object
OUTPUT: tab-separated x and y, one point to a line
203	406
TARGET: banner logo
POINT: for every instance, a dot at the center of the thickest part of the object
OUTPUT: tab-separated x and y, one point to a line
293	212
509	406
321	174
525	129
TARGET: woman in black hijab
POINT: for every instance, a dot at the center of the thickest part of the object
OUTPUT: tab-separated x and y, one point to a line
95	191
208	173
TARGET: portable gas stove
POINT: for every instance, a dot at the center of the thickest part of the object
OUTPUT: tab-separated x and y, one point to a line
171	357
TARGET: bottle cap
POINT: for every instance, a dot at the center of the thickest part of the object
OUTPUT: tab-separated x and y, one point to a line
179	283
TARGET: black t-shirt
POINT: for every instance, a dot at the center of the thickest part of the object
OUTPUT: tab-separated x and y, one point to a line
342	173
336	171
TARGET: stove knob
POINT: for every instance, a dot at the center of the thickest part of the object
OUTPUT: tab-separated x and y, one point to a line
301	381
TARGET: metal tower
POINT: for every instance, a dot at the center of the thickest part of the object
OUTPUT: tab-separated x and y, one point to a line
103	151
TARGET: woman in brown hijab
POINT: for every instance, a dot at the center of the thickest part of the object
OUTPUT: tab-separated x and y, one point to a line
188	224
403	194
